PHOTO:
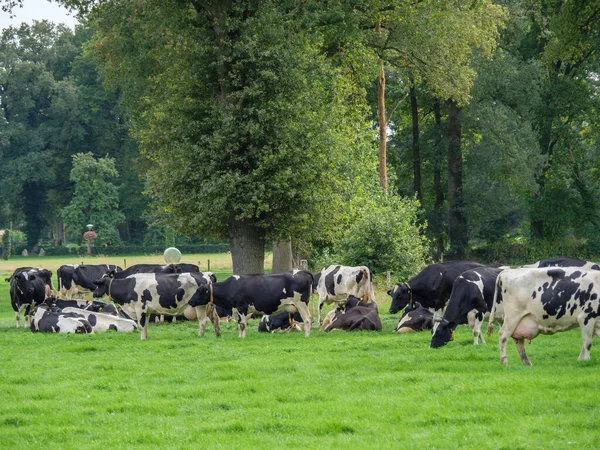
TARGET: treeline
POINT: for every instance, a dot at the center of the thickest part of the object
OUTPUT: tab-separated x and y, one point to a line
259	122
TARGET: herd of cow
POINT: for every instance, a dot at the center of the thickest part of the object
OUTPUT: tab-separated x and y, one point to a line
546	297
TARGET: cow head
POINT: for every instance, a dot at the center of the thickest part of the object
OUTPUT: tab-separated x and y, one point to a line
443	334
24	284
401	296
102	285
202	296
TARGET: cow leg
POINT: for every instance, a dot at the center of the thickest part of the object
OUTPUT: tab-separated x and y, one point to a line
241	320
211	312
437	318
305	314
506	331
522	353
587	334
321	302
18	317
477	334
143	319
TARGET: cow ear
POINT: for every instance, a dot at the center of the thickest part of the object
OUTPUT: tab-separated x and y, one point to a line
31	277
111	274
389	292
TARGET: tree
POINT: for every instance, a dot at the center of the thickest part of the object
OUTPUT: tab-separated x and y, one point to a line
96	198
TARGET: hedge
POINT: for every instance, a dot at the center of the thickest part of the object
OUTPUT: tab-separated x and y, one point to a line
125	250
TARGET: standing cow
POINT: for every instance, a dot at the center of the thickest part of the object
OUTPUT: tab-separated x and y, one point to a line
265	293
546	301
28	288
431	287
472	291
144	293
563	261
79	278
337	282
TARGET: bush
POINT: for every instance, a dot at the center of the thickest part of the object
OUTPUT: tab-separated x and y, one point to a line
385	236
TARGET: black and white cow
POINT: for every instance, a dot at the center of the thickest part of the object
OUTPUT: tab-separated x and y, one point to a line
546	301
51	320
265	293
285	321
563	261
431	287
88	305
79	279
353	315
472	292
102	322
415	318
28	288
144	293
156	268
337	282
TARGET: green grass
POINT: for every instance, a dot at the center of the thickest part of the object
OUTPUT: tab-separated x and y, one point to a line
337	390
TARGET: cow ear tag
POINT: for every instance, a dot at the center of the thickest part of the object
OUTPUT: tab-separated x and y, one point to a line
452	336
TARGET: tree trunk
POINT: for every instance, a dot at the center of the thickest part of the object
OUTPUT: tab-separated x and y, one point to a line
438	224
457	221
282	256
247	244
415	144
382	129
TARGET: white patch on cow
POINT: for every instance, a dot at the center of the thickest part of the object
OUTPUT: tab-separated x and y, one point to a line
294	272
237	277
395	289
104	321
284	292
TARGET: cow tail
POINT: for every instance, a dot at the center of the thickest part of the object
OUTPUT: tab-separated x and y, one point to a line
497	293
311	294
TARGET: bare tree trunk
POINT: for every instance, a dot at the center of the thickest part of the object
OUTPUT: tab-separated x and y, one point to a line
457	221
247	244
282	256
382	129
437	183
415	144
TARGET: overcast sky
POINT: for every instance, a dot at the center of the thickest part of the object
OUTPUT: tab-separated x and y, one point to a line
37	10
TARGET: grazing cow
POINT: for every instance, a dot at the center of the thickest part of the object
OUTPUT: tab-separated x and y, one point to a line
415	318
28	289
102	322
76	278
144	293
472	291
285	321
431	287
546	301
265	293
337	282
353	314
563	261
51	320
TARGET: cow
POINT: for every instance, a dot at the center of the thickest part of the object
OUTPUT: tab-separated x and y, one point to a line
546	301
285	321
431	287
415	318
353	314
156	268
88	305
337	282
28	288
51	320
102	322
79	278
473	291
44	274
563	261
144	293
264	293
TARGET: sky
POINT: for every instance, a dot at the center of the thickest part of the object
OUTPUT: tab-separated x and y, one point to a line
37	10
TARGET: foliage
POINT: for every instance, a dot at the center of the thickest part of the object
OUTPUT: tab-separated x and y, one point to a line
383	236
96	199
6	244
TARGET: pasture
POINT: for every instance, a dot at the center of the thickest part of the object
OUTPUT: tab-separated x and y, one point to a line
337	390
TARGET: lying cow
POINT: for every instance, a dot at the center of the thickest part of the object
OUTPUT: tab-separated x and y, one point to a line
431	287
144	293
336	283
353	314
89	305
102	322
264	293
472	292
546	301
28	289
76	279
415	318
51	320
285	321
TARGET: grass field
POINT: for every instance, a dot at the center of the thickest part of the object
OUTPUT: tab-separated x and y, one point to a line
337	390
